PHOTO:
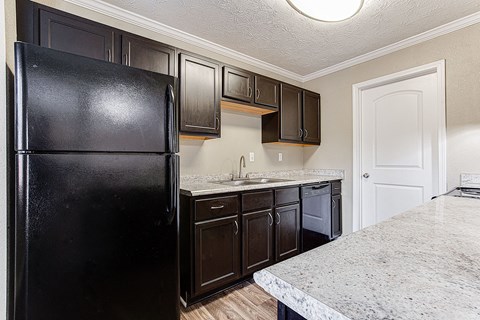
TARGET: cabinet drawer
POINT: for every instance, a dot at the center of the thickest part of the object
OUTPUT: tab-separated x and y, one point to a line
257	200
216	207
336	187
287	195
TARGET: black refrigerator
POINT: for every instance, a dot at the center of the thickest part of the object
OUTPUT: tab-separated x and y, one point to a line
96	216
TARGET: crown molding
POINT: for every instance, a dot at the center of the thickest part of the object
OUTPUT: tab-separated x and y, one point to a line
155	26
414	40
152	25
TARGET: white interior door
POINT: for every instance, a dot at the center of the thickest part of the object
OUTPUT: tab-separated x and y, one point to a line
399	135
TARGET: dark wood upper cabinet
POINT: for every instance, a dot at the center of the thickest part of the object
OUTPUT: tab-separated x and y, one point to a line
148	55
257	240
287	231
267	91
77	36
217	255
290	113
311	117
298	118
237	84
199	96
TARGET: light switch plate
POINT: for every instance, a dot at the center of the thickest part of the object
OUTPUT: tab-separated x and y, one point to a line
280	156
252	157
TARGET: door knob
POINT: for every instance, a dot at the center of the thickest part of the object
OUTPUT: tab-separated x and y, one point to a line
366	175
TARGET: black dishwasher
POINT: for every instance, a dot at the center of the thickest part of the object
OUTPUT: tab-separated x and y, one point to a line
318	220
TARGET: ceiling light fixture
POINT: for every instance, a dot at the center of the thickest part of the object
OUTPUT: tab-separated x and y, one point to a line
327	10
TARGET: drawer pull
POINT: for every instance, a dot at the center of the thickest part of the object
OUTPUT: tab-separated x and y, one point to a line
278	218
236	228
217	207
270	217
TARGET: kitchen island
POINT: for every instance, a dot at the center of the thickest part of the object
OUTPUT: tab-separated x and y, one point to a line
422	264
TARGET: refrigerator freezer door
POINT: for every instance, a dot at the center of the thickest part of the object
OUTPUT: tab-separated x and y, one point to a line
66	102
97	237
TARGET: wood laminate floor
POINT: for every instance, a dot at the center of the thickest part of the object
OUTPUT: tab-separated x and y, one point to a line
247	301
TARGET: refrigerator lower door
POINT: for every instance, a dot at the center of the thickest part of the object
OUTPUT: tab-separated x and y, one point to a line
96	237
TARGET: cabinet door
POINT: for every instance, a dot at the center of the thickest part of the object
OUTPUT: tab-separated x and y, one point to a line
267	91
287	231
336	216
75	36
311	117
290	113
199	96
237	84
148	55
257	239
216	253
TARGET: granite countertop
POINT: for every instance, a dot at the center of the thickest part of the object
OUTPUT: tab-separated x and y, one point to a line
422	264
205	185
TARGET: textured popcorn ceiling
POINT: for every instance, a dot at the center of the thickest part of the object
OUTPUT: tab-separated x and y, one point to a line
272	31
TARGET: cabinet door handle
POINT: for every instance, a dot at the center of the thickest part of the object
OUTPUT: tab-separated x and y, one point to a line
236	228
270	217
334	204
300	132
126	59
217	123
250	91
278	218
217	207
257	94
109	55
306	133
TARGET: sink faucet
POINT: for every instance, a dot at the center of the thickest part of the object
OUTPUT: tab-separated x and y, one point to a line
242	159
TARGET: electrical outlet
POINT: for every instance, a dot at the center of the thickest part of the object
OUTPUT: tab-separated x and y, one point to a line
252	157
280	156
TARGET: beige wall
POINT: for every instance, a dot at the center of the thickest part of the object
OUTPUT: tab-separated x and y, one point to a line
461	50
241	134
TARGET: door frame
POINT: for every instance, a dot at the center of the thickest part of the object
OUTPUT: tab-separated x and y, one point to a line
438	68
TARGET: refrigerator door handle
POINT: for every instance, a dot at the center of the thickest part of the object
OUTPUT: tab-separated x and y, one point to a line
171	128
172	194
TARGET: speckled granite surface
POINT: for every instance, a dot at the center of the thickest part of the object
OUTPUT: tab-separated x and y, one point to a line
205	184
422	264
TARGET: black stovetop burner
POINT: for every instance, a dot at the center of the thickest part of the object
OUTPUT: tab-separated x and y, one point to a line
465	192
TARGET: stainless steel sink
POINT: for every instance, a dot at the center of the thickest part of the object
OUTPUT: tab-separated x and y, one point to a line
268	180
233	182
243	182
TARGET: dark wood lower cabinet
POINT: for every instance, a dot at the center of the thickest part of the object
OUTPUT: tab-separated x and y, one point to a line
225	238
287	231
285	313
336	215
257	241
217	255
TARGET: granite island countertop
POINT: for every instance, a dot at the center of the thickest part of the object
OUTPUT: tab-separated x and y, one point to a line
422	264
206	185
